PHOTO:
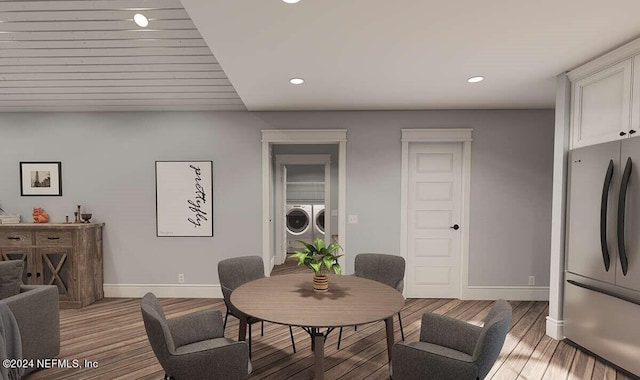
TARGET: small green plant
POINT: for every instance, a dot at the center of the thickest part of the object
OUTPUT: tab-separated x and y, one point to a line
319	257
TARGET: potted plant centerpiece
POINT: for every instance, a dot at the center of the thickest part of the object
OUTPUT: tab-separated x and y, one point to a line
321	259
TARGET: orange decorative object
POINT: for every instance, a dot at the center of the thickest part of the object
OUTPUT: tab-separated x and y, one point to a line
39	216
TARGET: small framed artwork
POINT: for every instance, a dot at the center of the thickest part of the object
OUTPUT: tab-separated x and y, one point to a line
41	179
184	198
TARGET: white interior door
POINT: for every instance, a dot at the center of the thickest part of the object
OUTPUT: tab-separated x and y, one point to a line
434	215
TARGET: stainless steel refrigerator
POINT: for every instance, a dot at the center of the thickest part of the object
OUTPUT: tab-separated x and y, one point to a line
602	268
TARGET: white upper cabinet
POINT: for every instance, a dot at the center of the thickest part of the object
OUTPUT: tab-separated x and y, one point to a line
635	102
602	105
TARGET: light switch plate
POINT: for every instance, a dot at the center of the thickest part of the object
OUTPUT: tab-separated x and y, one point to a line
353	219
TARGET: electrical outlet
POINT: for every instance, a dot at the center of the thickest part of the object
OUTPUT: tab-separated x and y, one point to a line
532	280
180	278
353	219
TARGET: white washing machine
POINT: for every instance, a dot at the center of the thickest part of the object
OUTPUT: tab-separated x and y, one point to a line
299	223
318	221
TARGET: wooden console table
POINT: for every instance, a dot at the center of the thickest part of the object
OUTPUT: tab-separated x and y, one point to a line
66	255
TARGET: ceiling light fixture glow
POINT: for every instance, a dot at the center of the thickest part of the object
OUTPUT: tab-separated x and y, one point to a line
296	81
141	20
475	79
290	1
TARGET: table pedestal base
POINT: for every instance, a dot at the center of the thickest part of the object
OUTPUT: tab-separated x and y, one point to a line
318	342
312	333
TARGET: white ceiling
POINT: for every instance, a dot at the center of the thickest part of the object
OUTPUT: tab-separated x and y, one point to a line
87	55
407	54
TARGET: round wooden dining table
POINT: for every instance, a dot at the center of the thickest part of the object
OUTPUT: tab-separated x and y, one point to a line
290	300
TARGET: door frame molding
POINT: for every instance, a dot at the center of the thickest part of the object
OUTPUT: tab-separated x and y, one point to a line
435	135
280	202
300	136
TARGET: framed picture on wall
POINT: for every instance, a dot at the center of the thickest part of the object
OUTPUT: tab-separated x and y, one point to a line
41	179
184	198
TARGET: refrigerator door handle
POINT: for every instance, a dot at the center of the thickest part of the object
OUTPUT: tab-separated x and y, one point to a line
624	262
604	291
603	216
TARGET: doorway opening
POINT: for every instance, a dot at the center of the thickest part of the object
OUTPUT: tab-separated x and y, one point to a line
313	142
302	194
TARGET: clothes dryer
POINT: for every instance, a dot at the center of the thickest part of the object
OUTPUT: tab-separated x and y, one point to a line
318	221
299	224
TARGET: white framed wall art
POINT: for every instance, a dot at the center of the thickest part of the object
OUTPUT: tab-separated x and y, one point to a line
184	198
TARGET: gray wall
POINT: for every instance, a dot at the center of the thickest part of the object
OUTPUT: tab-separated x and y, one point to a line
108	167
305	173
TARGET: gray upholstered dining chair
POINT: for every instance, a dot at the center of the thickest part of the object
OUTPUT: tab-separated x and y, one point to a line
235	272
193	346
387	269
451	349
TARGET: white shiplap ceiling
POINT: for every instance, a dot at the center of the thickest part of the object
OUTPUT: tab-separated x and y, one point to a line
81	55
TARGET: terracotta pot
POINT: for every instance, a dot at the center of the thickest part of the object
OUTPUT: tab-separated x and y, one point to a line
320	283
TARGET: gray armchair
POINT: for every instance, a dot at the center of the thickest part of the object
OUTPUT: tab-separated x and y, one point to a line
37	314
387	269
193	346
452	349
235	272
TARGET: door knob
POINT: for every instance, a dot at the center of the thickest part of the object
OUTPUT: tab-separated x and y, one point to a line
455	227
622	133
631	131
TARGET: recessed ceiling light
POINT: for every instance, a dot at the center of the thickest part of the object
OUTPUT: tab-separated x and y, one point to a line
141	20
475	79
296	81
290	1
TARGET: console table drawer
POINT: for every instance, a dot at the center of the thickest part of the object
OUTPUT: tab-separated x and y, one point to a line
15	238
53	238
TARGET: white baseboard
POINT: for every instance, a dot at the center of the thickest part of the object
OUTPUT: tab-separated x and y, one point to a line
555	328
163	290
511	293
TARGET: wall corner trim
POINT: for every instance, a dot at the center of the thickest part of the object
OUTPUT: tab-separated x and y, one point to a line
555	328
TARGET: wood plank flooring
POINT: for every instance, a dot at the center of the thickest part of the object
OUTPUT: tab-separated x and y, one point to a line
111	333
